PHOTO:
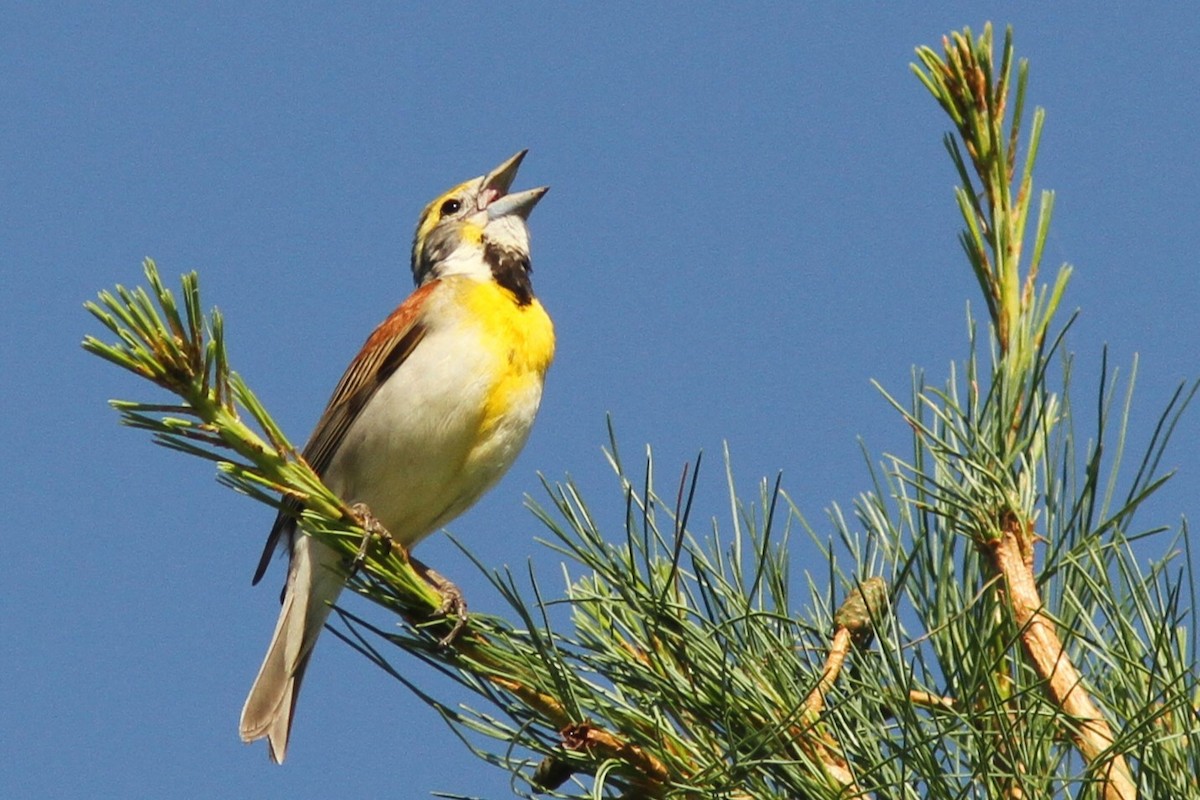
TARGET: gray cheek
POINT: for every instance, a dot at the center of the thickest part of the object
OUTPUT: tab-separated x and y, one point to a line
437	247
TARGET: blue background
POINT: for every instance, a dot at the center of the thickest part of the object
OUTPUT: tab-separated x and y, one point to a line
751	217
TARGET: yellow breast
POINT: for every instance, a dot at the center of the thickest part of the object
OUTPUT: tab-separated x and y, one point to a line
521	338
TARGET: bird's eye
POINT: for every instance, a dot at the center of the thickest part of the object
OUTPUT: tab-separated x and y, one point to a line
451	206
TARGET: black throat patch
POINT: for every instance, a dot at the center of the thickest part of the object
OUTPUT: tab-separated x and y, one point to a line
511	270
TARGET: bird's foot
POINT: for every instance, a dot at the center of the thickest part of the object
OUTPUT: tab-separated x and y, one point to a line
373	531
453	603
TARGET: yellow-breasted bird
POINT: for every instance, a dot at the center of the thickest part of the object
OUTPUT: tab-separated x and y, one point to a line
428	416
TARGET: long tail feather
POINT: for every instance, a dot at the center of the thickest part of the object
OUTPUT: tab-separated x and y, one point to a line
314	582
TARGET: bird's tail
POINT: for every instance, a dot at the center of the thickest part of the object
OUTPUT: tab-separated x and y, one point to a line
314	582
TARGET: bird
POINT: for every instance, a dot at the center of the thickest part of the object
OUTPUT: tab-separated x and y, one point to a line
428	416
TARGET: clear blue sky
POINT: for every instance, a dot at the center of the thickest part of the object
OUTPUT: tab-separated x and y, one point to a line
750	217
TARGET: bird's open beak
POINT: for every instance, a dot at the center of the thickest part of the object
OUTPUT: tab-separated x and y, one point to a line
494	197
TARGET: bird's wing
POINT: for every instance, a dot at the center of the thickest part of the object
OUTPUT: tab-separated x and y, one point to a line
385	350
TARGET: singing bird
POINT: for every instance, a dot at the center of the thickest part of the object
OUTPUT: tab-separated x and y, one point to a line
428	416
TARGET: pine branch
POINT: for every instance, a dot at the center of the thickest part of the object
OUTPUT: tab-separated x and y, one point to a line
989	460
953	666
631	619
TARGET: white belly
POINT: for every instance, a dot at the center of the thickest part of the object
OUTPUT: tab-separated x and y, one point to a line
418	454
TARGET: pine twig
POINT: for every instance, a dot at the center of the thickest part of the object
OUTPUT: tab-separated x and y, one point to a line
1021	411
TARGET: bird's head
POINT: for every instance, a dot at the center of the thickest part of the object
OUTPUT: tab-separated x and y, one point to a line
477	229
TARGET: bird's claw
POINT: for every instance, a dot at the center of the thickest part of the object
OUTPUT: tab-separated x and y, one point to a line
372	530
453	603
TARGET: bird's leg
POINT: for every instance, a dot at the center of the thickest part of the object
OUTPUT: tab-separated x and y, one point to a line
373	529
453	602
